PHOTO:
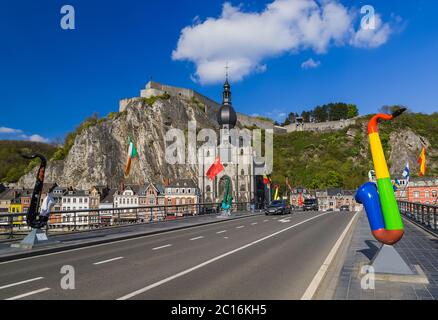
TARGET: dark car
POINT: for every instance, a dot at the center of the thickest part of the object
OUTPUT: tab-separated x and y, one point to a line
310	205
344	208
278	207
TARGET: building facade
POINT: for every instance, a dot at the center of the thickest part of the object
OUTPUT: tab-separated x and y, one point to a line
420	190
236	154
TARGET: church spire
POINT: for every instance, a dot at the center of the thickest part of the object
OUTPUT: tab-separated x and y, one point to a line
227	117
226	95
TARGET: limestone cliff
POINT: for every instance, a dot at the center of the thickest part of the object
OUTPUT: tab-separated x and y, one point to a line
99	154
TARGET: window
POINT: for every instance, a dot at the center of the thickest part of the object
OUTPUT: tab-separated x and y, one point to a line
426	193
416	194
85	200
74	200
434	193
80	200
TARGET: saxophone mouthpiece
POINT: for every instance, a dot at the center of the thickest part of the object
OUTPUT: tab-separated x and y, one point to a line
398	112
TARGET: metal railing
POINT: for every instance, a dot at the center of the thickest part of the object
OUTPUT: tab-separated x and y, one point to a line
424	214
14	225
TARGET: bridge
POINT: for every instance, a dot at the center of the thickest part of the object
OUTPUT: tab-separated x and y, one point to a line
192	252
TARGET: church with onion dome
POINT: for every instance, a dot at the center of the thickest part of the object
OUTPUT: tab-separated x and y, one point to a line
236	155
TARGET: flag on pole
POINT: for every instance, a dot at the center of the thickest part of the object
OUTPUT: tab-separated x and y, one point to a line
216	168
396	184
132	153
406	173
266	180
422	162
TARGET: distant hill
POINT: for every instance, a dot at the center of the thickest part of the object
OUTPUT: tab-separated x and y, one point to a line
12	166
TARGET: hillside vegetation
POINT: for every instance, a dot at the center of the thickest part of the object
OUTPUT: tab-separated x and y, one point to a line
342	158
12	165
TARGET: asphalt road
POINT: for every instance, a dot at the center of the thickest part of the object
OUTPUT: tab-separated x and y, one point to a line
257	257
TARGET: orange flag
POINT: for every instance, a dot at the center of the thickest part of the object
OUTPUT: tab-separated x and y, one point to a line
422	162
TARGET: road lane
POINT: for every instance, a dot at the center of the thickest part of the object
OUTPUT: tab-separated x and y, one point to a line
141	265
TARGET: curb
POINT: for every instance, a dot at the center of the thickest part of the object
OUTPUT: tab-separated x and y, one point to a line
41	252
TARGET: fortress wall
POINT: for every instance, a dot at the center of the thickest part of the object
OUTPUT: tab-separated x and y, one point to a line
323	126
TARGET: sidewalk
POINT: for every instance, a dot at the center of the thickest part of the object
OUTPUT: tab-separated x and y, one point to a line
417	248
99	236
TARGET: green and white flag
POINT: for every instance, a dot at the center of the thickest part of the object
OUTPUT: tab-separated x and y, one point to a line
132	153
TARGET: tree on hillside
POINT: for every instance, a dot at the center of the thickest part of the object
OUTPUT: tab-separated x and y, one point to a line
352	111
306	115
320	113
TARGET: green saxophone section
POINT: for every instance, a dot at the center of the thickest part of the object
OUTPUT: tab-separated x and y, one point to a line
391	213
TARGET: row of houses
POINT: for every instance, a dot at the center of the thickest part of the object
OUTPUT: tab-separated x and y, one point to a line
419	190
71	205
331	199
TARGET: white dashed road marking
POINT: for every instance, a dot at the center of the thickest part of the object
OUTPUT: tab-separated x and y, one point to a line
162	247
197	238
106	261
24	295
21	282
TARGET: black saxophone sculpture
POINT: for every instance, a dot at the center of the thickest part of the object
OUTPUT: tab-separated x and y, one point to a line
32	216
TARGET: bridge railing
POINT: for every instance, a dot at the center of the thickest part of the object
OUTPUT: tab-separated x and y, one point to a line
424	214
14	224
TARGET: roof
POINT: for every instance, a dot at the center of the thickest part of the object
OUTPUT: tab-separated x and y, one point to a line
182	183
76	193
110	197
334	191
158	187
8	194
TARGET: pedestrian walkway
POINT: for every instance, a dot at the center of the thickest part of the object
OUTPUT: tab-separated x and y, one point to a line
417	248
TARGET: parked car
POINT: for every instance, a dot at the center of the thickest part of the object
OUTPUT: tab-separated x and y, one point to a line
278	207
310	205
344	208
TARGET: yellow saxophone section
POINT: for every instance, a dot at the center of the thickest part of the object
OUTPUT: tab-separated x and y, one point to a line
380	165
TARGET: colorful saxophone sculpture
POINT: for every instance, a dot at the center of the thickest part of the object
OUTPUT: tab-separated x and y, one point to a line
379	201
228	198
33	212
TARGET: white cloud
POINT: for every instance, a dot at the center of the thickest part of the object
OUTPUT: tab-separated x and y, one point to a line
245	39
310	64
10	130
19	134
372	38
38	138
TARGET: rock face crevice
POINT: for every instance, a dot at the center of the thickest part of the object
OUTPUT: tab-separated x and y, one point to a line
99	154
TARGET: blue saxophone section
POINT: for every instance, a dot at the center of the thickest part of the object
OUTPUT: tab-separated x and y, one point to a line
369	197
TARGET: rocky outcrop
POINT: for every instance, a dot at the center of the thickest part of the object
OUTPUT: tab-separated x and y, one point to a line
406	146
99	154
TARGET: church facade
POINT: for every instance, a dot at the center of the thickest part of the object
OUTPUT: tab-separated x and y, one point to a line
236	153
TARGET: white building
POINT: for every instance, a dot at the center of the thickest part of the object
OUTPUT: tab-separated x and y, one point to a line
73	201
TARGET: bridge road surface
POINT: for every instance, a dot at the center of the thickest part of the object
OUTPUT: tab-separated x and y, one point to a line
259	257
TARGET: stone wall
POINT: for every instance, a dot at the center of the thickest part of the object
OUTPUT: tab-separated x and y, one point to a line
320	127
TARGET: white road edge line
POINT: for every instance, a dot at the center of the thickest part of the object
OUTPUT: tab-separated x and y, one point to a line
28	294
106	261
311	289
21	282
223	231
125	240
182	273
162	247
197	238
240	227
254	223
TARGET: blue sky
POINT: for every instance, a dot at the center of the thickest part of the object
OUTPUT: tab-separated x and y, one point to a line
51	79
